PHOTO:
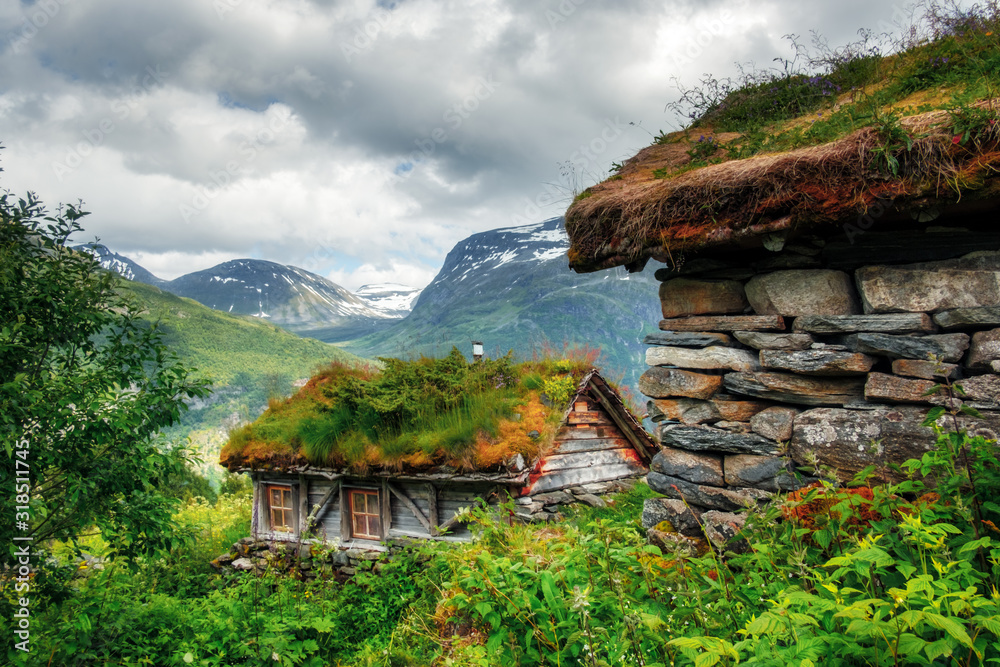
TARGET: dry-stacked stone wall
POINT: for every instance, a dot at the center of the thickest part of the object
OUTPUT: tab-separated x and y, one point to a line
305	560
762	368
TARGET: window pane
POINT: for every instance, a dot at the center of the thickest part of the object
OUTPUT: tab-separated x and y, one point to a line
373	526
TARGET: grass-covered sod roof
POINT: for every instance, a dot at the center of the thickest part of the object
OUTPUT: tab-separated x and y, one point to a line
413	416
913	125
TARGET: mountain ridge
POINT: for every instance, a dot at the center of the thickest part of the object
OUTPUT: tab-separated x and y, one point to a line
511	288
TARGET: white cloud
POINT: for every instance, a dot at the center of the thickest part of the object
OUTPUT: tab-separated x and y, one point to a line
170	265
284	145
411	275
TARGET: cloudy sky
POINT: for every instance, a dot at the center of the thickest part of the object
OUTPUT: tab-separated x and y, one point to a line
357	139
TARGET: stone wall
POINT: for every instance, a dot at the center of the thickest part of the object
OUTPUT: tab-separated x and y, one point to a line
304	560
548	506
764	367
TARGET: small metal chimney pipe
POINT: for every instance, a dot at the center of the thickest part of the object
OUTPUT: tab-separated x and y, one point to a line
477	350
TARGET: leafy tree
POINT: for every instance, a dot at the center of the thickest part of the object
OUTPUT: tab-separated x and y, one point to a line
85	386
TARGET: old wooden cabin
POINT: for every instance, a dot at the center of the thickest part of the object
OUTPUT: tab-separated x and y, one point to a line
358	488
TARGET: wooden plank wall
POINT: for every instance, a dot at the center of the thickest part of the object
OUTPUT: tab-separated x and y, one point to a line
454	497
589	448
329	526
404	523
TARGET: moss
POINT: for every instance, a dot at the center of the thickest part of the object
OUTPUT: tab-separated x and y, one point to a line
412	415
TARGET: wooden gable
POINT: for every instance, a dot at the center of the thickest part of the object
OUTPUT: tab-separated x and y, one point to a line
598	441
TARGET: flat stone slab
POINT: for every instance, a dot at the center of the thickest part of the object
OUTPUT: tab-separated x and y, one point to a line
899	323
774	423
690	466
984	316
984	349
772	341
725	323
683	296
705	439
684	410
983	390
708	358
926	370
710	497
850	440
896	289
687	339
660	382
770	473
797	389
946	347
817	362
737	410
884	387
803	292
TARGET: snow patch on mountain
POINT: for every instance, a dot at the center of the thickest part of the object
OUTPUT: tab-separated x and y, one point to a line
123	266
393	299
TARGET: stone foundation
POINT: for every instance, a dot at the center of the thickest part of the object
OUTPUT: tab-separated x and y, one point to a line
543	507
824	367
306	561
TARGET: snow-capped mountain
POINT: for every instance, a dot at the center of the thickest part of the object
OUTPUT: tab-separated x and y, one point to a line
120	264
393	299
291	297
512	289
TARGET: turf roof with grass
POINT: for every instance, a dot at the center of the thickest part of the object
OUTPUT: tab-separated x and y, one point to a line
413	416
786	152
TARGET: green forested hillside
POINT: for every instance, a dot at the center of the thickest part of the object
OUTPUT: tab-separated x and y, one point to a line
226	347
248	360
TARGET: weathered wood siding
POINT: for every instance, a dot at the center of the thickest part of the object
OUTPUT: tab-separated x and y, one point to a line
328	527
404	523
453	498
449	499
589	448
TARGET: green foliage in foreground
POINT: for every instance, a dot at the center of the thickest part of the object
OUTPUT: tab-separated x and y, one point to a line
857	579
86	385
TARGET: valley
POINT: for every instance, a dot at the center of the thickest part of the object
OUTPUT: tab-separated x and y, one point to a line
258	329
